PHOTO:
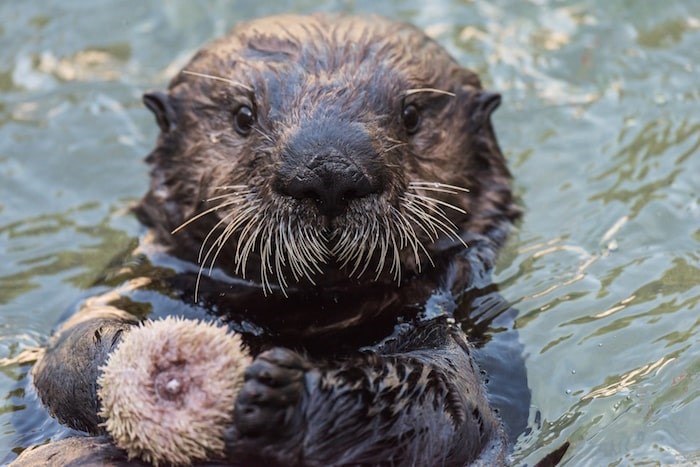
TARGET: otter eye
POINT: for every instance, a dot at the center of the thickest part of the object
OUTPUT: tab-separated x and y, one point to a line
411	118
243	120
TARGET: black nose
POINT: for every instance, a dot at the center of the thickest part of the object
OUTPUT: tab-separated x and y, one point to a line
330	162
331	186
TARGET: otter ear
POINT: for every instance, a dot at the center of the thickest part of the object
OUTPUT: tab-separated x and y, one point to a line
161	105
484	103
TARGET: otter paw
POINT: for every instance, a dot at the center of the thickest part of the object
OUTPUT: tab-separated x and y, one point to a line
267	402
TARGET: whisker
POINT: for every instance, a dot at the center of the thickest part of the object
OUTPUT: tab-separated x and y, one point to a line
280	261
439	220
211	232
318	250
396	261
367	252
295	259
383	251
361	248
432	207
418	216
239	194
416	244
436	186
266	251
267	137
250	233
221	240
391	148
404	235
229	187
219	78
288	251
202	264
410	92
437	201
251	218
202	214
407	218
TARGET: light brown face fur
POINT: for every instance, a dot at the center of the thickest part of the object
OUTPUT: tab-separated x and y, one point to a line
266	130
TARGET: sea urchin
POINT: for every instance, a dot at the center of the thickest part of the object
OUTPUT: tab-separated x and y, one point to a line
168	391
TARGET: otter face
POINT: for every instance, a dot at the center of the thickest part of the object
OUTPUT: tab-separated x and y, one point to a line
323	149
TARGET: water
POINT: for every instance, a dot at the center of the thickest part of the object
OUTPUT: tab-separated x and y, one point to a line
601	128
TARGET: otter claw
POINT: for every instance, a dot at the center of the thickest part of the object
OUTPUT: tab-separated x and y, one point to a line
268	400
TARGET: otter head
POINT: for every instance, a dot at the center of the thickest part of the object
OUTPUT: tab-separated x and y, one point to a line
324	149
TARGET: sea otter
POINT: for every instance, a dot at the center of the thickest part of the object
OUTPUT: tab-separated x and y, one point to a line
328	187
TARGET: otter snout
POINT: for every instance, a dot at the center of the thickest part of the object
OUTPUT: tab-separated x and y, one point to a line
330	163
331	185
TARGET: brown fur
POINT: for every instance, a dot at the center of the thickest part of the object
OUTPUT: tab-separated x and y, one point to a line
358	69
357	356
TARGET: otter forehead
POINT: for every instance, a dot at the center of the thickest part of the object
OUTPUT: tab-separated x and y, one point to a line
330	52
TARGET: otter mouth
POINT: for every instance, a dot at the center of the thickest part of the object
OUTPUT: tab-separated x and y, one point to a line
281	241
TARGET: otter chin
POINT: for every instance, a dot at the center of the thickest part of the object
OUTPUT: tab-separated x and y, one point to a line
324	150
167	391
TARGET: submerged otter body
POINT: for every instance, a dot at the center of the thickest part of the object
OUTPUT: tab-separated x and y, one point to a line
331	185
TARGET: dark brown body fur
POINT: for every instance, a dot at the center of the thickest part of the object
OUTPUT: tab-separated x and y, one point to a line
359	361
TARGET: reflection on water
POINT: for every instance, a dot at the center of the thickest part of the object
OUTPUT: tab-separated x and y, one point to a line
599	122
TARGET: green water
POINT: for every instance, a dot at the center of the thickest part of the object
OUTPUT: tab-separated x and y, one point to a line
600	122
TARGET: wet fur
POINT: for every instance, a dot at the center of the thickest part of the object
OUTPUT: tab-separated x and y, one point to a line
351	367
339	71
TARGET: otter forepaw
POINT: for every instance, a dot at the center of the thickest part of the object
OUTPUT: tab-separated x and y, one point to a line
268	400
